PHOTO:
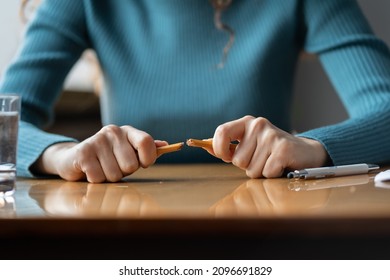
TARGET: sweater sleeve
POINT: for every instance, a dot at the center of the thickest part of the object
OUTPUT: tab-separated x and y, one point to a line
358	65
53	42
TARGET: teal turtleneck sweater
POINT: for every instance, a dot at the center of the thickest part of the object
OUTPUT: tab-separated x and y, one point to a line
159	62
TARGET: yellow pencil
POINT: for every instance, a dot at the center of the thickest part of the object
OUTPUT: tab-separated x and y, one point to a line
206	143
169	148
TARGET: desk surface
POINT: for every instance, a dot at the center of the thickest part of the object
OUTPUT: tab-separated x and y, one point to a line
203	201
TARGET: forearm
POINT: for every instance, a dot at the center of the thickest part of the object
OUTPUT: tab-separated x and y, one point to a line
32	142
356	140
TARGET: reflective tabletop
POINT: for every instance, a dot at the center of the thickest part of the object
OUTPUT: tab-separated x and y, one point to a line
199	191
198	200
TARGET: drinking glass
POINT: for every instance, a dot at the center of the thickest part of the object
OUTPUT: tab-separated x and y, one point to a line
9	124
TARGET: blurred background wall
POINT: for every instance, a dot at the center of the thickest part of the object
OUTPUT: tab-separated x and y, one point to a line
315	102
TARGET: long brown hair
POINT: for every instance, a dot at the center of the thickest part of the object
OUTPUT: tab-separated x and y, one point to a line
26	9
219	7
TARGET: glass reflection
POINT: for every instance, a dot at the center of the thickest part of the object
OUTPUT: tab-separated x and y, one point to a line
7	207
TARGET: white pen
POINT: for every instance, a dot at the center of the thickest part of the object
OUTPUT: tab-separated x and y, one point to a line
332	171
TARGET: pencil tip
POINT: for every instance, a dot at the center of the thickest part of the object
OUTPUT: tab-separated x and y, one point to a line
189	142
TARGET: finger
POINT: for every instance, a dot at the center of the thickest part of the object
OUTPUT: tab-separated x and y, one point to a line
85	161
109	164
122	152
144	144
160	143
225	134
76	173
248	145
92	170
207	145
258	160
244	152
255	147
280	146
106	144
266	142
243	156
274	166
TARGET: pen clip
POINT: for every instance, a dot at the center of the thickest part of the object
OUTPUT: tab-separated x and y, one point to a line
297	174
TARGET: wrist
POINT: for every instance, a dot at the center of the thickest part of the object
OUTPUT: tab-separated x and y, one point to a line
320	155
48	161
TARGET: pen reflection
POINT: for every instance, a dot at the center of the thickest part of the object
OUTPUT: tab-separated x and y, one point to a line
337	182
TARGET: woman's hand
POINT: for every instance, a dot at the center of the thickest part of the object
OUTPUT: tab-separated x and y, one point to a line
109	155
265	150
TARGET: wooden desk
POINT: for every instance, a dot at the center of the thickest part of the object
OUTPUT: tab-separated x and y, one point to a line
198	211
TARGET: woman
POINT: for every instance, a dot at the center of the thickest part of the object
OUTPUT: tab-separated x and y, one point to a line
161	82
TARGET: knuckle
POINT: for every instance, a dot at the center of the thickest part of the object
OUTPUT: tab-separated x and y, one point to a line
148	162
253	174
248	118
130	167
114	177
273	171
93	175
111	130
145	141
284	147
272	138
221	130
98	140
267	173
95	179
240	162
260	123
84	151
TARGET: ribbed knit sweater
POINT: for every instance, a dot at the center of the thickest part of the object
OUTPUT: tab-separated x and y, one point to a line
159	62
